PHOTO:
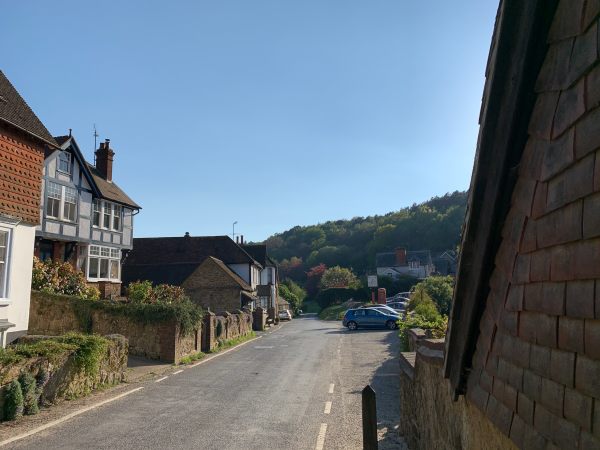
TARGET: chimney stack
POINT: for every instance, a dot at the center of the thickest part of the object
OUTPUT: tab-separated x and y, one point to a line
242	239
401	256
104	160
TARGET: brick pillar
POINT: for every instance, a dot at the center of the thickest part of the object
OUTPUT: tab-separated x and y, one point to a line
208	332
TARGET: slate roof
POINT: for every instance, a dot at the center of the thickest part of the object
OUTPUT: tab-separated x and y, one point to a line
110	190
185	250
174	274
388	259
259	253
15	111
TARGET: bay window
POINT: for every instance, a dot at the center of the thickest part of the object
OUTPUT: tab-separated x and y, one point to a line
61	202
104	263
4	253
107	215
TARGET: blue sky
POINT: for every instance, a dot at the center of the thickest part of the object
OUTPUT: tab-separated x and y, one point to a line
270	113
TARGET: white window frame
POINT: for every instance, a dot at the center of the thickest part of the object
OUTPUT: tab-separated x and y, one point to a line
111	254
61	155
62	200
5	267
111	214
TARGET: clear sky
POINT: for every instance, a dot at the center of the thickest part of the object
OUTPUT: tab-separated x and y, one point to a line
270	113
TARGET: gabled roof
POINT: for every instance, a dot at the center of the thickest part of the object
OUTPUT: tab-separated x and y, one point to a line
102	188
15	111
234	276
257	251
186	250
110	190
174	274
388	259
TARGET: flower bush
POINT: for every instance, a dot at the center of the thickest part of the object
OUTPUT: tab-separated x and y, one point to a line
55	277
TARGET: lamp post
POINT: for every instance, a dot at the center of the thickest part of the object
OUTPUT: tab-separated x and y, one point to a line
233	231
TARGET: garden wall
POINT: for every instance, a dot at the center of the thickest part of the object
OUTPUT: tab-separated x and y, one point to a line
62	376
431	419
154	339
232	325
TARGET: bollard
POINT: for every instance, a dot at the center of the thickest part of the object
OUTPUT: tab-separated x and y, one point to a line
369	418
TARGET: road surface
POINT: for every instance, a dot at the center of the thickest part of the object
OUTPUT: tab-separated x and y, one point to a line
296	388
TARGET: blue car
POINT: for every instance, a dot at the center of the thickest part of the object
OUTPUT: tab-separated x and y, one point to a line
369	318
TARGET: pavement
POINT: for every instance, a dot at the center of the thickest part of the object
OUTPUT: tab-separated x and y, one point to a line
296	387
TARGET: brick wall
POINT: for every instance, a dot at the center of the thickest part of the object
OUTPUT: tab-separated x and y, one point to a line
536	369
21	163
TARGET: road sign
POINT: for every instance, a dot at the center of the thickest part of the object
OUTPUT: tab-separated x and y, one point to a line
372	281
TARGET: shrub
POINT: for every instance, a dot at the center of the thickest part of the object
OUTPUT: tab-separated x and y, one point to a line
30	394
436	328
13	401
61	278
139	291
144	292
89	350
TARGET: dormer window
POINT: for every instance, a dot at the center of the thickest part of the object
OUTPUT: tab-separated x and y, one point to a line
64	162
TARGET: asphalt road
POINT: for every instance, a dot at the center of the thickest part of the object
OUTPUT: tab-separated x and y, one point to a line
296	388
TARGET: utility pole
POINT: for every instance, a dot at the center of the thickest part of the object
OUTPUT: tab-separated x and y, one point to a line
233	231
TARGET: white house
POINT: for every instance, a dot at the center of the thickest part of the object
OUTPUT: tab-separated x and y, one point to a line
85	217
416	264
23	142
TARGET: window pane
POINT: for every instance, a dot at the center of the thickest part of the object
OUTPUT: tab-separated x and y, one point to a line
107	211
2	279
96	212
70	195
52	207
104	268
93	268
117	217
115	253
3	238
64	162
104	251
94	250
69	211
53	190
114	270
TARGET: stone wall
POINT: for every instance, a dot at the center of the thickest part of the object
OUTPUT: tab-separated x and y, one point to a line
54	315
430	418
231	326
66	380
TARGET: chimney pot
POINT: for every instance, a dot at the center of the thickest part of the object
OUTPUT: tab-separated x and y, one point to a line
242	239
104	160
187	234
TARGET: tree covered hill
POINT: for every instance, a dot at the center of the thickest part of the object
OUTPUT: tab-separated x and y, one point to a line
433	225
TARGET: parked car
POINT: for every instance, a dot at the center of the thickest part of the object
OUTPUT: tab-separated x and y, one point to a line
369	318
285	314
398	306
386	309
397	298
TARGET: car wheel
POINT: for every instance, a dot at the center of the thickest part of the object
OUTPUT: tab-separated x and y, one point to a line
352	326
390	324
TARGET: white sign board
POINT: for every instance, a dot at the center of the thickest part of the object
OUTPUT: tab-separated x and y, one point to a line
372	281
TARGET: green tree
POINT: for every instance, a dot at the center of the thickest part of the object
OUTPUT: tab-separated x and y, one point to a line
440	289
339	277
293	293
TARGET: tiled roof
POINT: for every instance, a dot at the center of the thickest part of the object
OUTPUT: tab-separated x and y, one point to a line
388	259
185	250
258	252
110	190
174	274
15	111
60	140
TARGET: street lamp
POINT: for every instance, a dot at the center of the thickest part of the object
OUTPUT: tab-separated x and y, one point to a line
233	231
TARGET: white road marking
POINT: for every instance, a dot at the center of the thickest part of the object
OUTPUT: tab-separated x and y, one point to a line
161	379
327	408
179	371
263	346
331	386
67	417
284	345
321	437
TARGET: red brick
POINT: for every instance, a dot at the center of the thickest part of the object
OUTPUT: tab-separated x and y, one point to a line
578	408
560	226
553	395
522	202
571	106
574	183
570	334
553	298
562	367
499	415
532	385
591	216
580	299
540	200
539	269
558	154
587	374
585	53
587	138
521	271
567	20
539	361
592	338
527	326
542	117
592	89
529	243
514	300
525	408
546	330
554	74
518	430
